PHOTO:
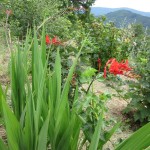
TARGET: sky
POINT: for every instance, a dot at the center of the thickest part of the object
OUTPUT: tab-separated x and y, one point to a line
141	5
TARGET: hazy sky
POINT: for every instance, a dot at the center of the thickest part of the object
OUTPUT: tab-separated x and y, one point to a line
142	5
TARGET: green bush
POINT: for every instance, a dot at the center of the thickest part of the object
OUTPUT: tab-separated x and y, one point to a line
139	90
105	41
29	13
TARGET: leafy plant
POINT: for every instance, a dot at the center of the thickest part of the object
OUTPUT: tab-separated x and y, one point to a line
94	107
105	41
139	90
25	15
41	113
138	140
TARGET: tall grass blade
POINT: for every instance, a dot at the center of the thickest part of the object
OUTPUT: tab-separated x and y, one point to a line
62	119
139	140
29	126
96	136
112	131
108	135
12	127
75	132
19	77
42	140
43	47
3	146
57	78
1	97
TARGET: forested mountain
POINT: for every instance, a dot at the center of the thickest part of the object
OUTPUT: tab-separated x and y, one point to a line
124	17
103	11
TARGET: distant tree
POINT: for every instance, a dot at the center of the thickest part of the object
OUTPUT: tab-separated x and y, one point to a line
84	3
77	3
138	30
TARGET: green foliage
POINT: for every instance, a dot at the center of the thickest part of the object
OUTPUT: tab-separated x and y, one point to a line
105	41
138	140
26	15
41	111
18	80
42	116
126	17
94	143
2	10
139	91
138	30
87	75
94	112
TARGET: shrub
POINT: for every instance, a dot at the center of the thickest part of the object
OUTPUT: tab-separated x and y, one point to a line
105	41
27	14
139	91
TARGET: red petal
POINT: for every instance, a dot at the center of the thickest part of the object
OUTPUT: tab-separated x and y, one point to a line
47	40
105	68
55	41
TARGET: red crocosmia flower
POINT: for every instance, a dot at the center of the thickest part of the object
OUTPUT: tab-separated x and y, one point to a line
124	65
55	41
48	41
116	68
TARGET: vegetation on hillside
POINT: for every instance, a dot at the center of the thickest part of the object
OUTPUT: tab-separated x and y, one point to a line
125	17
97	11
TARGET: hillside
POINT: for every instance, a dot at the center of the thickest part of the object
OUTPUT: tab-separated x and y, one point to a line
123	17
97	11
